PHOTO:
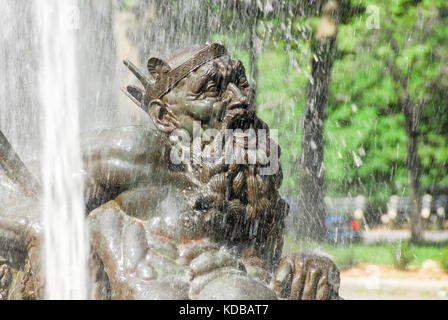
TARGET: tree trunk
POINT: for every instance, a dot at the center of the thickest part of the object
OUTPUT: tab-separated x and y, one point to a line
414	170
311	184
253	64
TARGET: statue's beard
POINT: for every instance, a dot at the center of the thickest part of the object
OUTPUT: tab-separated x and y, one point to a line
240	205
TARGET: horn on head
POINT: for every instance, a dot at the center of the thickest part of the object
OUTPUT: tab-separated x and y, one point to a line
140	75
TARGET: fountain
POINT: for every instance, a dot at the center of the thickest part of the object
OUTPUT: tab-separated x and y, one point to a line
65	244
158	229
60	90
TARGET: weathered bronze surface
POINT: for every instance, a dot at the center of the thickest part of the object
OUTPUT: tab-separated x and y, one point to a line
160	230
11	163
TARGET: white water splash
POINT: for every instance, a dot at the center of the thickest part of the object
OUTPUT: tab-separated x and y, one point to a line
65	250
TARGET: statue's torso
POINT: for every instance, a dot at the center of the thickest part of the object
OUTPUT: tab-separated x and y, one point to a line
150	240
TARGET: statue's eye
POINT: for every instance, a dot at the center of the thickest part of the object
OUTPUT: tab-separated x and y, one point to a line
211	86
211	89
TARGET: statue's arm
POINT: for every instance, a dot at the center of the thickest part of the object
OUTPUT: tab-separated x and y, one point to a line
119	158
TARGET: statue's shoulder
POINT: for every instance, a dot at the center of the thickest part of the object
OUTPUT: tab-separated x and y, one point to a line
132	140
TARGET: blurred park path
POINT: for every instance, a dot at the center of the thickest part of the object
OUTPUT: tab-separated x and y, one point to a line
389	236
370	281
354	288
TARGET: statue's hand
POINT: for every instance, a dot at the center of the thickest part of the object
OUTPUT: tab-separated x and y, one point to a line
306	277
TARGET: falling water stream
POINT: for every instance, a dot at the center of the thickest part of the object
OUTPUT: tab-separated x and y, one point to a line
65	253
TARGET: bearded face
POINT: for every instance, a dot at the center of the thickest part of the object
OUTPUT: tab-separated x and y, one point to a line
207	93
240	203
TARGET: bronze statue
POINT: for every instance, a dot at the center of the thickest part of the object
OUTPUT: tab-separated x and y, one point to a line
188	230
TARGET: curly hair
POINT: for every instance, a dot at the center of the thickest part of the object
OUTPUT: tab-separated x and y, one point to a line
242	206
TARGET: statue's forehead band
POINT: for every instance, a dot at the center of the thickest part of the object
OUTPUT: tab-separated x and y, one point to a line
164	78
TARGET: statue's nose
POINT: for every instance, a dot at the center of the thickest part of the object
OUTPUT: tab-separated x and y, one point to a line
238	99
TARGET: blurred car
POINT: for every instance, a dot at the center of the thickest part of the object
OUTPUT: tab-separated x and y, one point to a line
342	229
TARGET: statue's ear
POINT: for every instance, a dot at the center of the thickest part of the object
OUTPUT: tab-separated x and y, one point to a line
157	67
162	117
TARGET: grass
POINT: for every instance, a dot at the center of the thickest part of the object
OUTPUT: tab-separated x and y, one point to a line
347	256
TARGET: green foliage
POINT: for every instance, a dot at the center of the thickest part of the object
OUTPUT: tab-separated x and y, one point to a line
444	260
381	254
366	143
402	254
346	259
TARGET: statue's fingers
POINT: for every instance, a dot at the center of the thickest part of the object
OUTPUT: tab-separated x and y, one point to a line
172	116
323	289
309	290
173	119
298	280
281	281
334	279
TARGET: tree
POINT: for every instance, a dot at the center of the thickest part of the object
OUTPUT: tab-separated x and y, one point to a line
311	179
408	36
389	105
